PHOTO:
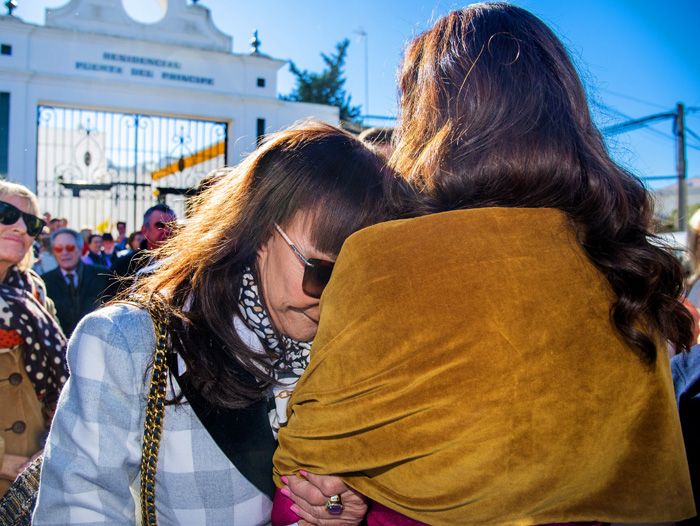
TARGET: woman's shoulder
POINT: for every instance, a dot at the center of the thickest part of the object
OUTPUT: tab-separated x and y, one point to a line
469	225
123	326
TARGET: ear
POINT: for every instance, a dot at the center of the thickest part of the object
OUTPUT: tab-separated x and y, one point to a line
264	250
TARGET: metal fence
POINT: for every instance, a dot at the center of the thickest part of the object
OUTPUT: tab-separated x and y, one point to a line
99	167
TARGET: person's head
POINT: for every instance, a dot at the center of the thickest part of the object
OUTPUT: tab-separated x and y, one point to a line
54	224
493	113
19	226
121	228
86	232
67	245
379	139
107	243
158	225
44	240
135	240
64	223
319	185
95	243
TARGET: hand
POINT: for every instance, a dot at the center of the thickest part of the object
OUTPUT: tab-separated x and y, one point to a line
310	494
12	466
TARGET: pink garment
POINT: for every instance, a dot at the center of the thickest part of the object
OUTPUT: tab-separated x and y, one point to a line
282	515
382	516
378	515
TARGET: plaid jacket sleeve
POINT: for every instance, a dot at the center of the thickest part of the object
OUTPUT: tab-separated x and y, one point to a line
93	453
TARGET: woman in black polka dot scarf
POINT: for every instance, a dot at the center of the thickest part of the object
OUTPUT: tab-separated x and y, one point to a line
23	310
32	345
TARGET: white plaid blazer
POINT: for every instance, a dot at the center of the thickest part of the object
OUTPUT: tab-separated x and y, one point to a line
91	466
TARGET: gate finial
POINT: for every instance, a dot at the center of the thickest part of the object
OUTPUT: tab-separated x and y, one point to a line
255	43
11	5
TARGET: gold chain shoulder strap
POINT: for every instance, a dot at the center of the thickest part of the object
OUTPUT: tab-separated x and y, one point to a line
153	426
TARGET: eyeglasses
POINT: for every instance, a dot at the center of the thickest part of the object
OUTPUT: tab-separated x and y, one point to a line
58	249
9	215
317	272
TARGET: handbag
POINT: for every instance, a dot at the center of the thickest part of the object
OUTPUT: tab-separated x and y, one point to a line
17	505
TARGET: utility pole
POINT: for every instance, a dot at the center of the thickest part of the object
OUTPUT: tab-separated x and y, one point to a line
681	170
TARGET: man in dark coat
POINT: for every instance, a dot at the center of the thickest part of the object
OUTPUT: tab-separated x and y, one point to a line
75	288
158	223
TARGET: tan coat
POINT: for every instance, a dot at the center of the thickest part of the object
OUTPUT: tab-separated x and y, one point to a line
22	421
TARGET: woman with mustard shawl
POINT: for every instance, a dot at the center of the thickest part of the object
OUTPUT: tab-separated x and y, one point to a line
501	358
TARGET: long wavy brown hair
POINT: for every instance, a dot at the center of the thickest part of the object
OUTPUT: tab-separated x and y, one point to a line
494	114
314	168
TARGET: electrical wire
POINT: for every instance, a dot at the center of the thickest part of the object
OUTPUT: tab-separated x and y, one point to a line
644	125
694	135
640	124
635	99
643	128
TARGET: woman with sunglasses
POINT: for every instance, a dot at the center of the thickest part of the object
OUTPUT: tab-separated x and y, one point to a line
501	358
32	345
237	290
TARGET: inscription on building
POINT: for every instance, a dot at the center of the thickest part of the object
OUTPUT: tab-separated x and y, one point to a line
145	71
144	61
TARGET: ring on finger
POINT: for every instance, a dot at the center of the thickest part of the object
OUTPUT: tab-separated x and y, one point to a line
334	505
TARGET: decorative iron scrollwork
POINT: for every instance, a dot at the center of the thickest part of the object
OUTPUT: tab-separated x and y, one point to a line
99	166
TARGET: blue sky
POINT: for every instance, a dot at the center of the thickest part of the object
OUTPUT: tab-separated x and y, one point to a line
637	57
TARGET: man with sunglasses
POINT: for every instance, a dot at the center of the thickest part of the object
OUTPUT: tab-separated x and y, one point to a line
76	288
157	227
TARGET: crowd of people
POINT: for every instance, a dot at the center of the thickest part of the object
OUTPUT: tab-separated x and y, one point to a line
472	325
83	270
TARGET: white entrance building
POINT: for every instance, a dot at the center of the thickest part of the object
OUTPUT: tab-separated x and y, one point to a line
101	115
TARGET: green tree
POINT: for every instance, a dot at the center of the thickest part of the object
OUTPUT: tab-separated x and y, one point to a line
326	87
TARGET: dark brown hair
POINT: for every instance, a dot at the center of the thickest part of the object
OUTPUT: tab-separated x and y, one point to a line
494	114
314	168
377	136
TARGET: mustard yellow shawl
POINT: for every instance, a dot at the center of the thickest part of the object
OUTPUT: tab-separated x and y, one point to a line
466	372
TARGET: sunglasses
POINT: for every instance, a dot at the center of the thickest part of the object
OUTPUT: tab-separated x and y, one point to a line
317	272
9	215
58	249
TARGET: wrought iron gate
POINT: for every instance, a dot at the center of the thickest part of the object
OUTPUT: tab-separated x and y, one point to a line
98	167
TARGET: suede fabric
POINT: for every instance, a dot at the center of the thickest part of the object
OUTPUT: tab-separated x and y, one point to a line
466	371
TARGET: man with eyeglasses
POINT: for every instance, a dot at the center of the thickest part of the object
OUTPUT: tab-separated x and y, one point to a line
75	288
158	222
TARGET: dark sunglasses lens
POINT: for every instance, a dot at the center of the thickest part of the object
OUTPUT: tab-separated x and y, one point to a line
34	224
316	277
8	214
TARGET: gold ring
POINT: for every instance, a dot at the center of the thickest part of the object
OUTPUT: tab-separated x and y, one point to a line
334	505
